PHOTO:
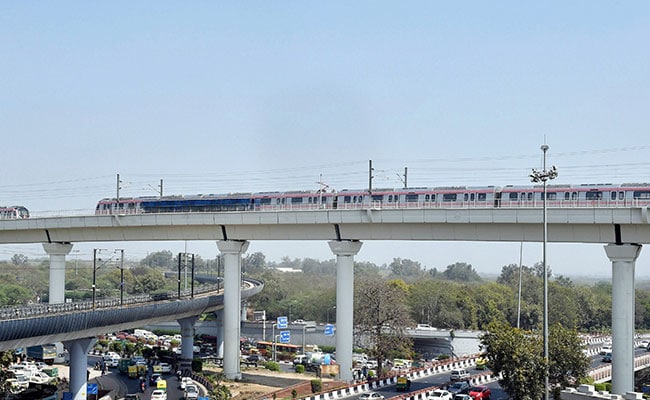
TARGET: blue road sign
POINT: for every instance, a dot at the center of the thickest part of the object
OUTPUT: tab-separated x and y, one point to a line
203	398
329	330
285	336
282	323
92	389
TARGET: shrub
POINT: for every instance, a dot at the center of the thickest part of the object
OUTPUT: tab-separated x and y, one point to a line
300	369
272	366
316	385
294	393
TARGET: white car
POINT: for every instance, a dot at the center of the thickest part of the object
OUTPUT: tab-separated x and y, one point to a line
191	392
186	380
158	395
605	349
371	396
165	368
440	394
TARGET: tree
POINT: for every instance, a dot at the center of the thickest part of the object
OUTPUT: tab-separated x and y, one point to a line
406	268
518	356
19	259
381	315
461	271
160	259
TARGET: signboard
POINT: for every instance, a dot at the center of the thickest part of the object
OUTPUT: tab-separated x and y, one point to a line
285	336
282	323
329	330
92	389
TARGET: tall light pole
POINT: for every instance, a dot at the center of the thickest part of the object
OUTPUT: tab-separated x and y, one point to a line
543	176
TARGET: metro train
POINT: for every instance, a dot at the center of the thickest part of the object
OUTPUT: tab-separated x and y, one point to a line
13	212
583	195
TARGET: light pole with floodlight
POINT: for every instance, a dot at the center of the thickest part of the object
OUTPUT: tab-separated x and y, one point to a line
537	177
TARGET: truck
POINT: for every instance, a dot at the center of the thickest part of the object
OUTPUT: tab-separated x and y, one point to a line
43	352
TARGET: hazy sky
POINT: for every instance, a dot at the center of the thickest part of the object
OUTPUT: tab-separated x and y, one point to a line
215	97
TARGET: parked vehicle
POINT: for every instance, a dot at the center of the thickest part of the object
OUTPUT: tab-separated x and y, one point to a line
607	358
186	380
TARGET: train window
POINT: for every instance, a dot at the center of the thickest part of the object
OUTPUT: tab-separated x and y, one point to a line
597	195
482	197
574	195
621	195
390	198
433	197
377	197
465	197
530	196
472	196
411	198
347	199
449	197
295	200
567	195
513	196
613	196
641	195
426	197
265	201
551	196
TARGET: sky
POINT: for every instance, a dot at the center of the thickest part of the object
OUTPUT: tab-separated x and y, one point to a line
218	97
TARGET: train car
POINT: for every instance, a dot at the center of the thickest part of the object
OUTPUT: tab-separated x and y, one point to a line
510	196
13	212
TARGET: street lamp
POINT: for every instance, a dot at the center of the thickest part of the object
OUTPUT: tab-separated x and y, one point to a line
537	177
96	267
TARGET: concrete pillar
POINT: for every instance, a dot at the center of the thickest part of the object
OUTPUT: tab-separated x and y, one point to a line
57	253
623	259
232	251
187	344
78	350
219	348
345	252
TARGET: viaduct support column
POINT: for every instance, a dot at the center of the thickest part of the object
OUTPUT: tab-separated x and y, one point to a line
219	348
623	257
57	253
187	344
232	251
78	350
345	252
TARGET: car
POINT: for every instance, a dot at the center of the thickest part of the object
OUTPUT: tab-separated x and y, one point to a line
480	392
607	358
459	387
132	396
643	344
462	396
186	380
440	394
605	349
165	368
459	375
371	396
158	395
191	392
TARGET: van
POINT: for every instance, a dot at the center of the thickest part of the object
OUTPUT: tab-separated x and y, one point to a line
459	375
112	359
